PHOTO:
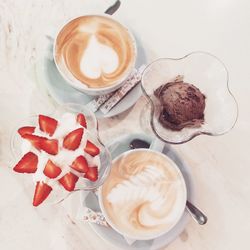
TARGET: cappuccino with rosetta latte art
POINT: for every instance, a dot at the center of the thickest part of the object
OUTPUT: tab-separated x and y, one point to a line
96	51
144	195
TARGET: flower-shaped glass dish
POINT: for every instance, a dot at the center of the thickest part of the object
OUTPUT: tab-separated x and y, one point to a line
58	193
206	72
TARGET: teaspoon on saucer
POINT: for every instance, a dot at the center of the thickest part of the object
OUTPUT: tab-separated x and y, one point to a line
195	213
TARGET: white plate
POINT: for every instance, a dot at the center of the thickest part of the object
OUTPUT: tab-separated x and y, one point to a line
108	234
48	76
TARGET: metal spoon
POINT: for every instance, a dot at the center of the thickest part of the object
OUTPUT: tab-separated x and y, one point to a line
113	8
195	213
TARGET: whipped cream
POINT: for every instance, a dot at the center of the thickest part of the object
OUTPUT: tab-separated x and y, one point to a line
64	158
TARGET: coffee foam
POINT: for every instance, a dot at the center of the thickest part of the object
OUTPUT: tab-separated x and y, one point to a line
144	194
97	59
94	50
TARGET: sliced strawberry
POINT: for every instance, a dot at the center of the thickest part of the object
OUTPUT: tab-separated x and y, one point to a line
51	170
80	118
26	130
50	146
47	124
41	193
34	140
69	181
80	164
91	149
28	164
92	174
73	139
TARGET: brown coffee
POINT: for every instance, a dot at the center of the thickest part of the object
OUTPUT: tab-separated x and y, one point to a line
144	194
95	50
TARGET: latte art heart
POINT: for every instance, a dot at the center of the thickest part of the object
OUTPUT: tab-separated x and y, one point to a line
98	59
95	51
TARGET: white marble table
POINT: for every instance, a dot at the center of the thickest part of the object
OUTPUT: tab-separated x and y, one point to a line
221	165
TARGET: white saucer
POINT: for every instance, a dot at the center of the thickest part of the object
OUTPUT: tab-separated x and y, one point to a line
48	76
117	239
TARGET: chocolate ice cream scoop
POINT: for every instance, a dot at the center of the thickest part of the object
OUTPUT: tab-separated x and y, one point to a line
182	105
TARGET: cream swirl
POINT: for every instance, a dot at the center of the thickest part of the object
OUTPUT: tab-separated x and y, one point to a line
95	50
144	194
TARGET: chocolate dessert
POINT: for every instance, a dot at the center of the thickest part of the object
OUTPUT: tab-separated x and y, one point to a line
182	105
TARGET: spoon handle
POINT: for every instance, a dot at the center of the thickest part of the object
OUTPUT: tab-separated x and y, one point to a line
112	9
196	213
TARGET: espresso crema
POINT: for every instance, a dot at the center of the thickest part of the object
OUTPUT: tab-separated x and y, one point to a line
95	50
144	194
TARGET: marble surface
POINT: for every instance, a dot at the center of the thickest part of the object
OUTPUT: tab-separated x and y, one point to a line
167	28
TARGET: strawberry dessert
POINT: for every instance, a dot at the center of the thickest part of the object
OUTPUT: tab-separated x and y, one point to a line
58	153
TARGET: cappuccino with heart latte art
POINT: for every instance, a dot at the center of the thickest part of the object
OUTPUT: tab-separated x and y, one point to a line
96	51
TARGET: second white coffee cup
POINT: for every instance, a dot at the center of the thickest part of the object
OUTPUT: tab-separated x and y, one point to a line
144	196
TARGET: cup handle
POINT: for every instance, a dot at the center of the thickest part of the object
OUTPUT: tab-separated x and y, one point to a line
157	145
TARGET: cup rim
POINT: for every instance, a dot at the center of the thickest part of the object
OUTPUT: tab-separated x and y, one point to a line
81	86
174	165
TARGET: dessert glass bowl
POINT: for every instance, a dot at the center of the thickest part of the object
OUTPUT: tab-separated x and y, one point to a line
206	72
59	194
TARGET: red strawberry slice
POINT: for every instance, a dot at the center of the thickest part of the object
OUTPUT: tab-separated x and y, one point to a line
69	181
73	139
50	146
51	170
80	118
92	174
91	149
47	124
41	193
34	140
80	164
26	130
28	164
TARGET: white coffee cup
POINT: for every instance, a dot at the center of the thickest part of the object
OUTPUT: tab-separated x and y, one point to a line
178	210
83	86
